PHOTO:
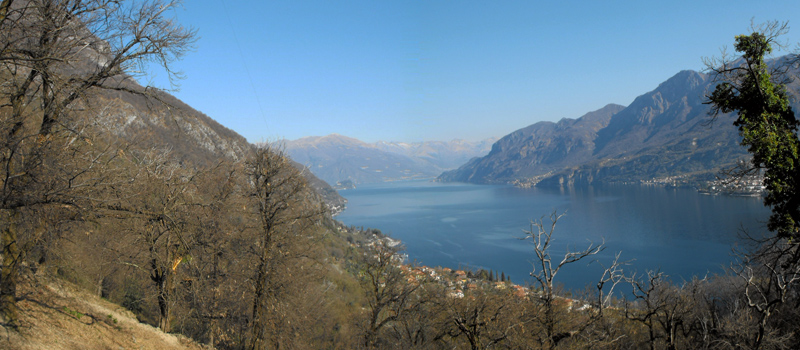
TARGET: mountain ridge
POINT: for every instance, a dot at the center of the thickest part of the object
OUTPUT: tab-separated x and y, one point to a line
536	149
193	138
663	134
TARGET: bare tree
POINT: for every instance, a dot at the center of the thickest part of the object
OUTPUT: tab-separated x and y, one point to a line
389	294
600	328
486	318
286	211
771	277
667	310
4	7
419	325
213	282
544	273
53	56
160	204
612	276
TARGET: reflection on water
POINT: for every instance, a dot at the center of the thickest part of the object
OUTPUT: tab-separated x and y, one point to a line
679	231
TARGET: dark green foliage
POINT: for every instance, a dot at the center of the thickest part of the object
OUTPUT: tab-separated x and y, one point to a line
767	125
755	89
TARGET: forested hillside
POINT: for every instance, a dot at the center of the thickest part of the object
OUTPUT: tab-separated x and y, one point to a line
128	192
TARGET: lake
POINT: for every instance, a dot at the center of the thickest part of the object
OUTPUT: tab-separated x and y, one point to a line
679	231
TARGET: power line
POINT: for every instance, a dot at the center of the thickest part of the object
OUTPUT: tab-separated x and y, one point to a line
244	64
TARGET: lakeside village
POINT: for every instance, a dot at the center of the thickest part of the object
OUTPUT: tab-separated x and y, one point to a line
456	281
750	185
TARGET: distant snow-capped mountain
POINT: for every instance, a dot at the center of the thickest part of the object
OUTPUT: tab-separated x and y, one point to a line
336	158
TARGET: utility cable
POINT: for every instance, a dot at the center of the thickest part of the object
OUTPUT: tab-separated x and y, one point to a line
244	64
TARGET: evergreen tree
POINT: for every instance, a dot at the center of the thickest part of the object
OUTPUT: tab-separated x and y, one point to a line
766	123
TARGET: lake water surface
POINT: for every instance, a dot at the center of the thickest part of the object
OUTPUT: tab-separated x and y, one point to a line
679	231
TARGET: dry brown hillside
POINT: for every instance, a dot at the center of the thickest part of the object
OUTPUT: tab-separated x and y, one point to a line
58	315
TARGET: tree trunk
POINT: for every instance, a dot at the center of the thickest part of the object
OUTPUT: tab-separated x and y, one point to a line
257	335
652	337
163	308
164	284
159	275
100	286
9	271
671	332
762	328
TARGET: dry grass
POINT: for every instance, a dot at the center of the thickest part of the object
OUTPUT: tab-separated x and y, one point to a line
55	314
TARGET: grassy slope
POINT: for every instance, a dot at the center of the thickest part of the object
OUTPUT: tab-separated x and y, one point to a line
58	315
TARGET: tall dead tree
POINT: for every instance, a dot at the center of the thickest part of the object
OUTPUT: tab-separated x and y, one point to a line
544	273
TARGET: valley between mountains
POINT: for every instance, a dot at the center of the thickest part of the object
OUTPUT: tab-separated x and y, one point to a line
129	219
664	136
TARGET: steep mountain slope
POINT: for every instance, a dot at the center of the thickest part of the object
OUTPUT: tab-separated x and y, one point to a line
159	120
191	135
194	138
336	158
538	149
655	117
664	133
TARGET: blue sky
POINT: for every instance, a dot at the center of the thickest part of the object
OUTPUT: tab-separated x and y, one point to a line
440	70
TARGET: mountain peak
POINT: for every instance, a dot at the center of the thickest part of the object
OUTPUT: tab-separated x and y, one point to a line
684	79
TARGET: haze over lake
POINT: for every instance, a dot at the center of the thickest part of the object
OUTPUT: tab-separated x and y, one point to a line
680	231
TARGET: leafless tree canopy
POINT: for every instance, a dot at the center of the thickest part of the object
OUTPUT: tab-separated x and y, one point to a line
53	56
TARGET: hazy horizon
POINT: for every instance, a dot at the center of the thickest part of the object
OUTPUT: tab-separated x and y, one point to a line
389	141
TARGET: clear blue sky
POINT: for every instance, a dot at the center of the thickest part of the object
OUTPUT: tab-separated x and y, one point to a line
439	70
